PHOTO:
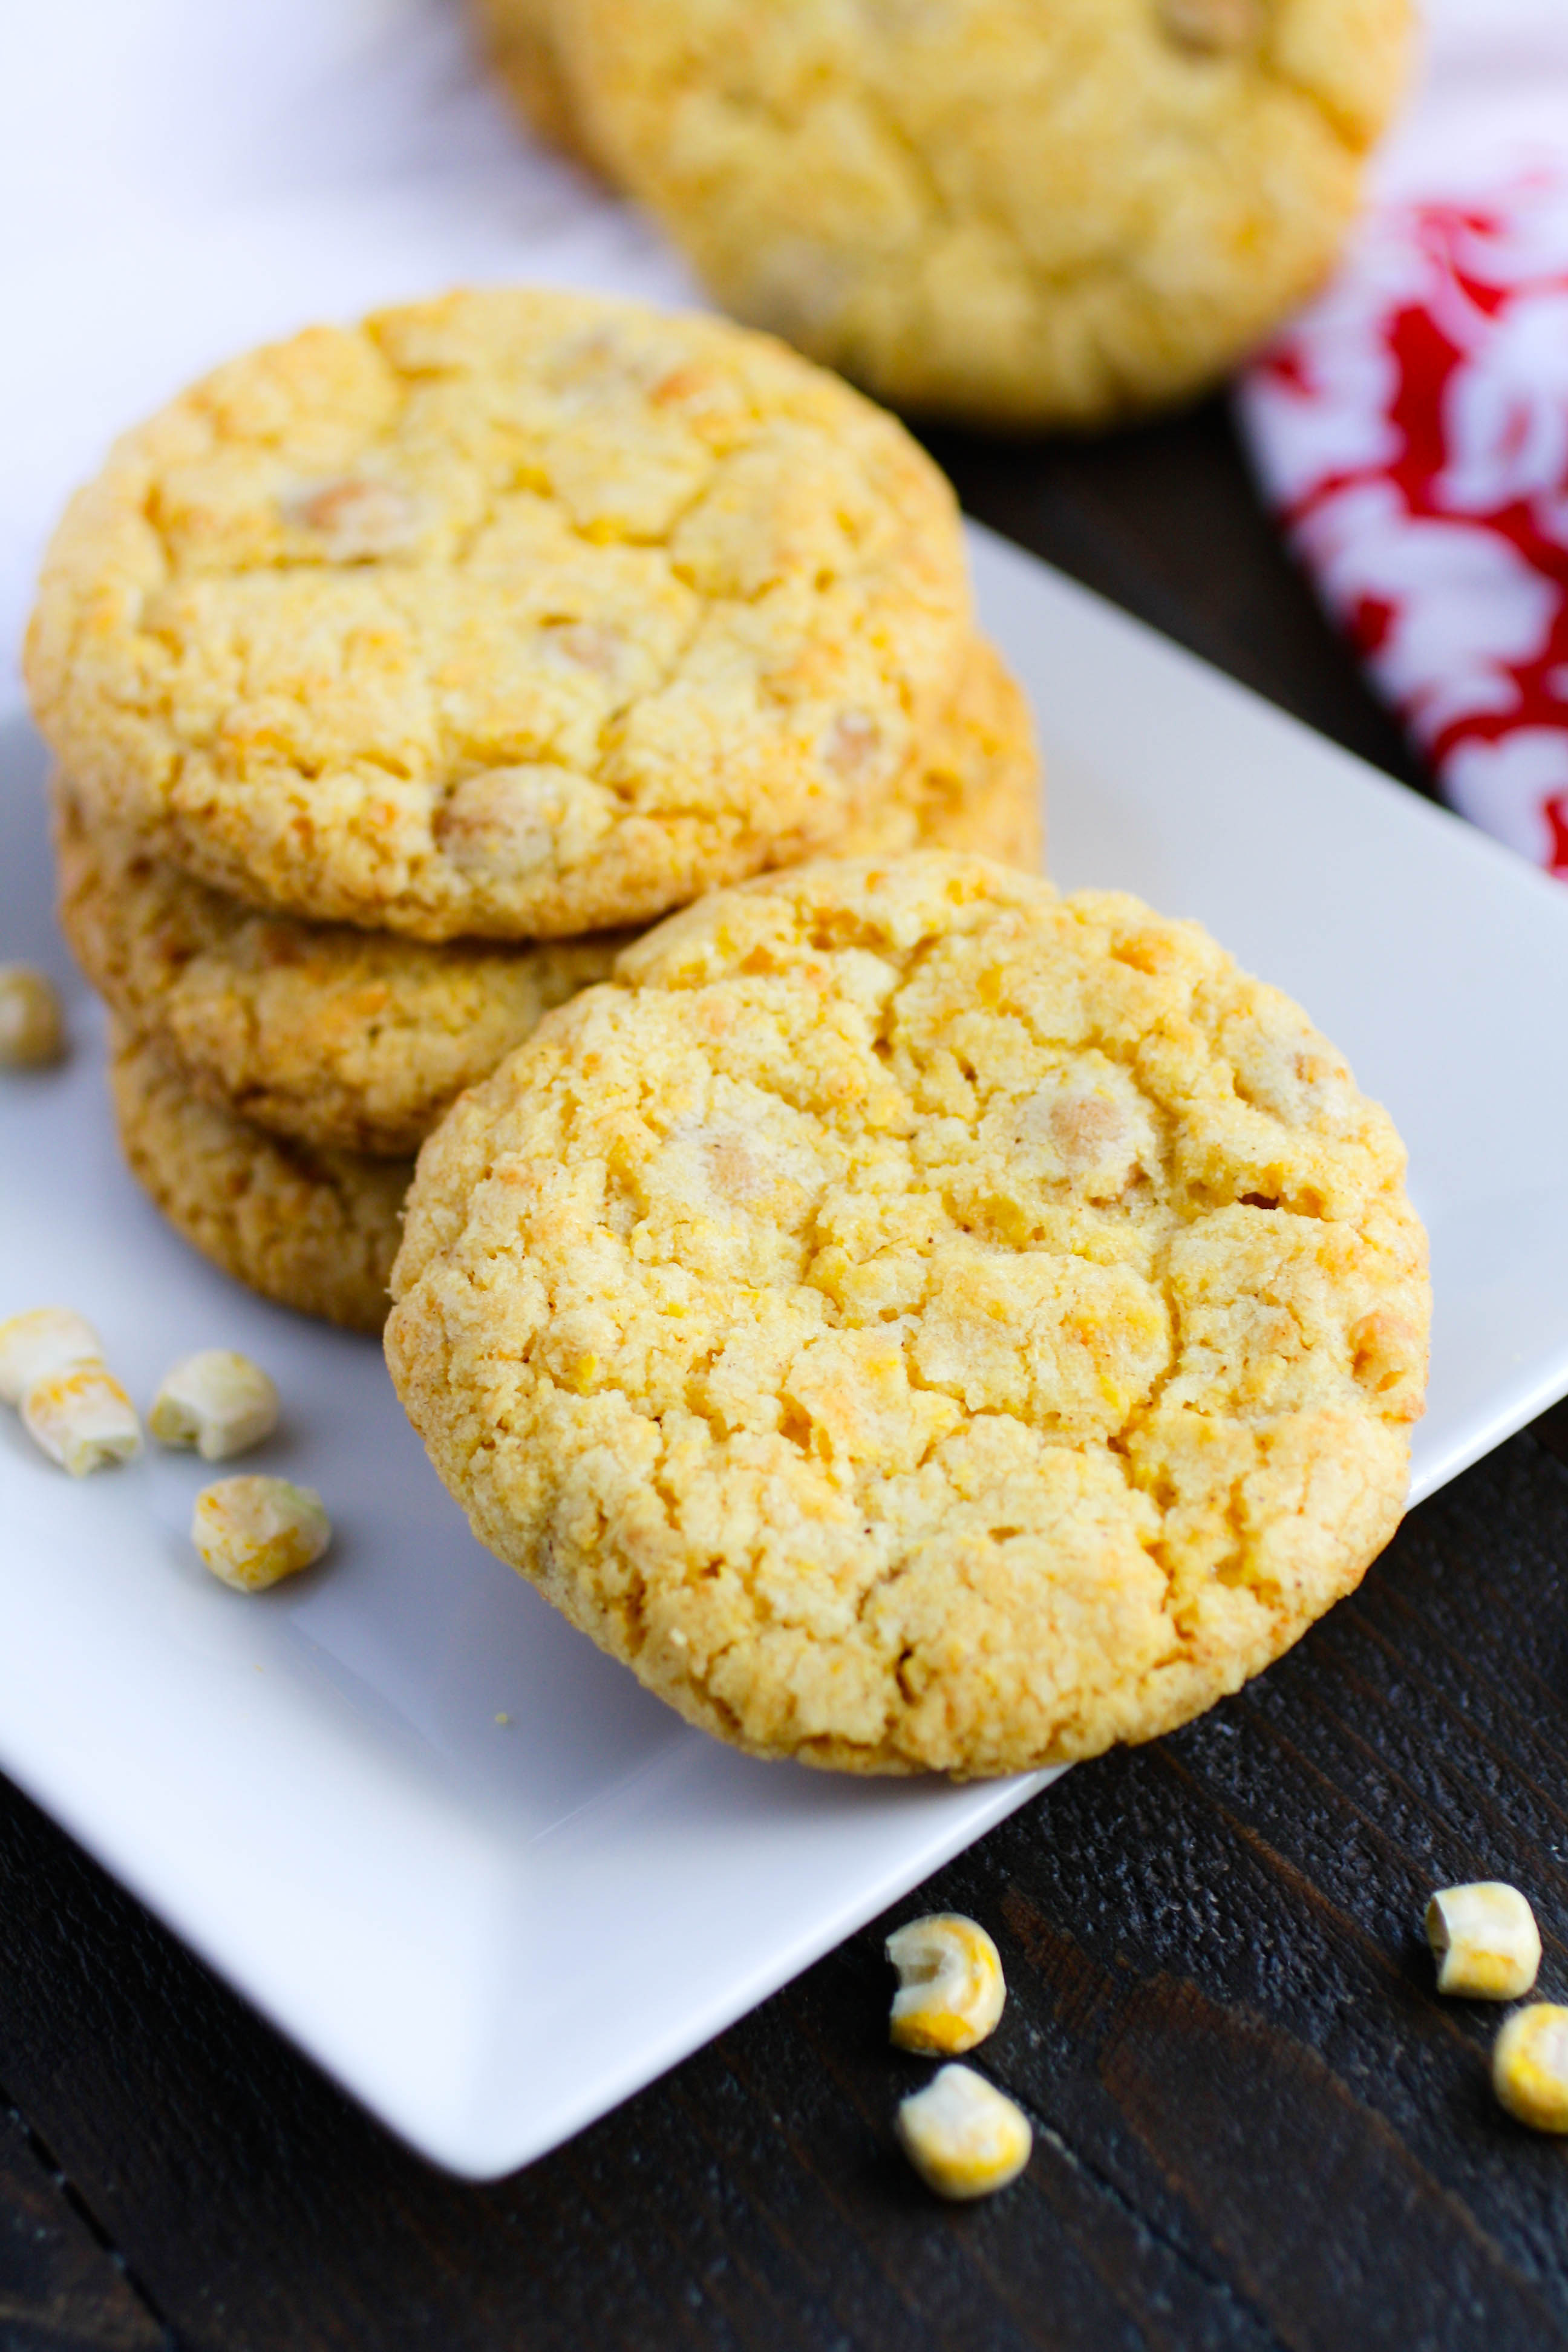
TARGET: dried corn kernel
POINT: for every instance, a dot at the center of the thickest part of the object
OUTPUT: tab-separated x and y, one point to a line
963	2136
83	1419
951	1986
253	1532
32	1028
1530	2066
46	1340
215	1401
1484	1939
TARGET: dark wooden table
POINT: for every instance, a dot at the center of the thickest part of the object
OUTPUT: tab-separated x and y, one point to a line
1255	2125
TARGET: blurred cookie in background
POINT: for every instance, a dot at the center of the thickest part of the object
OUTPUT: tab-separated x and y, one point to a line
518	37
1023	212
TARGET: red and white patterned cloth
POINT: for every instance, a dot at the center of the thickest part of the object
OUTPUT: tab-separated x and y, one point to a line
1412	427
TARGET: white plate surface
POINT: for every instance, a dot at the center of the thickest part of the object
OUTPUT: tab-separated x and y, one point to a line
490	1933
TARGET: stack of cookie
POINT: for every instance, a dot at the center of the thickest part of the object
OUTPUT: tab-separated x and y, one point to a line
396	674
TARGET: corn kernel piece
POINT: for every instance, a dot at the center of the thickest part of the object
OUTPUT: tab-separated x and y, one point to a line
83	1419
215	1401
963	2136
951	1986
1484	1939
32	1028
46	1340
1530	2066
253	1532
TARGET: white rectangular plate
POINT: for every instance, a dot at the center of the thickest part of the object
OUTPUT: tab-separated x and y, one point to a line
491	1932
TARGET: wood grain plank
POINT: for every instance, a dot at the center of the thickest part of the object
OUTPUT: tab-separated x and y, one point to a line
61	2290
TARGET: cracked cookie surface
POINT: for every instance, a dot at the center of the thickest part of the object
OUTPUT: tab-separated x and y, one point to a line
317	1230
511	614
359	1040
1033	212
919	1322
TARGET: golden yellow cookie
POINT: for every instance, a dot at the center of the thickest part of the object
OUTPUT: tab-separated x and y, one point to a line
315	1230
975	784
358	1041
513	615
921	1323
350	1040
1031	212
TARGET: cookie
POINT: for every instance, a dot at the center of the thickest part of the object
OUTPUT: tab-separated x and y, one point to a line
514	615
519	39
920	1323
315	1230
1020	212
975	785
358	1041
348	1040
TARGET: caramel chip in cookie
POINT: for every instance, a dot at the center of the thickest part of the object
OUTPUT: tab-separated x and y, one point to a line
921	1323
